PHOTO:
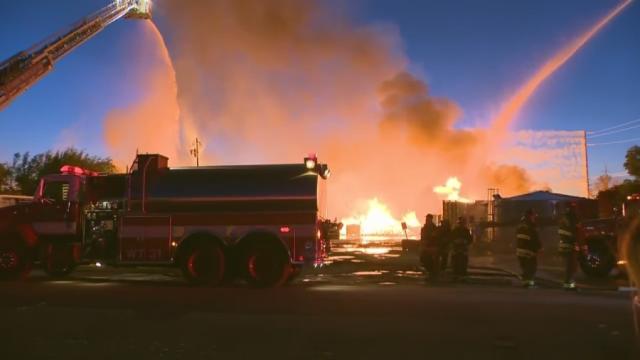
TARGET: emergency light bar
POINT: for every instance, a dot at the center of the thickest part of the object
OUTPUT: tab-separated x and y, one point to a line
311	163
76	170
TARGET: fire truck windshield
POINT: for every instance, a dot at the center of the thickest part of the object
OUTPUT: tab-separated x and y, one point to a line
57	191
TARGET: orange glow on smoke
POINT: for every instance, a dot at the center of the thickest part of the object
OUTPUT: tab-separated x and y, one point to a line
379	221
513	106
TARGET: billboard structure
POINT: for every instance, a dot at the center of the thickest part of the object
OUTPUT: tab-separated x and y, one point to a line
555	160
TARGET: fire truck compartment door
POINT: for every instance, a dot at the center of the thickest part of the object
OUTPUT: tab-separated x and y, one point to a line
145	239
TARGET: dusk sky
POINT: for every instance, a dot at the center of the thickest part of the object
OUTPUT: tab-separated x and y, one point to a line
476	53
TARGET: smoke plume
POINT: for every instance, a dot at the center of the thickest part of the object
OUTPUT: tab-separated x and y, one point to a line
270	81
512	179
410	111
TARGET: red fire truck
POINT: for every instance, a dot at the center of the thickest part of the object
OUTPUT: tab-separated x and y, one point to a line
260	222
603	239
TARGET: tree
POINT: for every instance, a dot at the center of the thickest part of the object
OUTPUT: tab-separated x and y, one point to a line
26	170
616	195
5	178
632	161
603	182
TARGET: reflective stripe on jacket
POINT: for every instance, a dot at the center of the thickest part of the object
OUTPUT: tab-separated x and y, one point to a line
568	234
527	237
525	253
563	232
565	247
523	237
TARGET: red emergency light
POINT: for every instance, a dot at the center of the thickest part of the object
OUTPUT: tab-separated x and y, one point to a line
311	161
76	170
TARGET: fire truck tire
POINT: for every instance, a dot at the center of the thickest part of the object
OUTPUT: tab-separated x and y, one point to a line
15	262
597	262
266	264
59	261
203	263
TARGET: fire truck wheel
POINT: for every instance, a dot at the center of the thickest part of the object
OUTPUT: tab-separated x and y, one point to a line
14	261
266	265
59	261
204	263
597	262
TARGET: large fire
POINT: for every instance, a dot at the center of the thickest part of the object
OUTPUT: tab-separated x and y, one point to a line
379	221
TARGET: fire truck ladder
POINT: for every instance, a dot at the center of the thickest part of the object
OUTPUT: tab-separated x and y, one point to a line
25	68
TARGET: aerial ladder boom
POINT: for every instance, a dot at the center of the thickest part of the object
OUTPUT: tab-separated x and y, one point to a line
25	68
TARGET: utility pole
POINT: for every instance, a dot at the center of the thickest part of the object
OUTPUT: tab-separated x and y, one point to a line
195	151
586	163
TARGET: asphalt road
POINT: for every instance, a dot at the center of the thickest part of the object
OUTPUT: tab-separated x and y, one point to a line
368	303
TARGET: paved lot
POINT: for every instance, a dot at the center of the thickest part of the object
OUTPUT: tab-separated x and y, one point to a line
369	302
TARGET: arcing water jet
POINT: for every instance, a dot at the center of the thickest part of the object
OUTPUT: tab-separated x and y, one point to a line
153	123
512	107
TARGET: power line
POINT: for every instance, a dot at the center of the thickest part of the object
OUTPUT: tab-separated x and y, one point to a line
614	142
613	127
619	174
614	131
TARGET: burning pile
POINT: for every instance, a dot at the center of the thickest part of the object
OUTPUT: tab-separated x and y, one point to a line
378	220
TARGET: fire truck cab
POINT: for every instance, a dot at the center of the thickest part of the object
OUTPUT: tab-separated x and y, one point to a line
260	222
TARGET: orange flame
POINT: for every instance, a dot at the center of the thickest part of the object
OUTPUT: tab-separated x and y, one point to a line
513	106
379	221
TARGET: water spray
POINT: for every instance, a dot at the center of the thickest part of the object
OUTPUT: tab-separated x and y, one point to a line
512	107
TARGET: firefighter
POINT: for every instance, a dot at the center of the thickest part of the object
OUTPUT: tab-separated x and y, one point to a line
528	245
461	238
327	229
429	249
444	243
568	246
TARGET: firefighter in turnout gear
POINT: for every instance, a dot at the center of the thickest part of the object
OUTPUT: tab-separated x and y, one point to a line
461	238
568	246
429	249
528	245
444	243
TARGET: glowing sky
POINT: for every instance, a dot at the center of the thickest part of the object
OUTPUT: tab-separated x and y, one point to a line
475	53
